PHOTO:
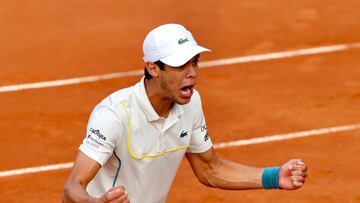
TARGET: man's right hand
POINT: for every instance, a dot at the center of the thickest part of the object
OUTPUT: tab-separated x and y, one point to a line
114	195
83	172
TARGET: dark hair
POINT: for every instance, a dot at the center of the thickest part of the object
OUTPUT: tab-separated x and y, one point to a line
158	63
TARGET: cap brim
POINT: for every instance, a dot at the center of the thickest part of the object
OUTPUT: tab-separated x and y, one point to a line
183	56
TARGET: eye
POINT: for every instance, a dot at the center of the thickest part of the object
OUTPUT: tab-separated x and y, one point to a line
195	62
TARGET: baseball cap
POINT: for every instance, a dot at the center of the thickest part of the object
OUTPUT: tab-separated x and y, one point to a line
172	44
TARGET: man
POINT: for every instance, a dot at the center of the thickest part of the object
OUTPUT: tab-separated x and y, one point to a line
137	137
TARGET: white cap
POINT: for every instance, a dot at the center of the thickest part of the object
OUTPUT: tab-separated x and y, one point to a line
172	44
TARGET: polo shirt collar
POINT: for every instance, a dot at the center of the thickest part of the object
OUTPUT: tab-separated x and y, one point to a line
145	105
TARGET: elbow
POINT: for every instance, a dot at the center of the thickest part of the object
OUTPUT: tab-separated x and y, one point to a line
209	176
207	183
207	180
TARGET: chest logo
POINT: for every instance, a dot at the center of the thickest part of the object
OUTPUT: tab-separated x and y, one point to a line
183	133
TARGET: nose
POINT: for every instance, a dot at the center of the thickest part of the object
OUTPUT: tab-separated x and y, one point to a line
191	71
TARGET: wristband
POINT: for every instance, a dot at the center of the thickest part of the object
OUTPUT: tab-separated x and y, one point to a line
270	178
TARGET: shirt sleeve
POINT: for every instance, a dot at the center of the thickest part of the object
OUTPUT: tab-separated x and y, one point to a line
102	132
200	139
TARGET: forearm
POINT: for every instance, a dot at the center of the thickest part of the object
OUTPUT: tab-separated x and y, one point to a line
233	176
215	172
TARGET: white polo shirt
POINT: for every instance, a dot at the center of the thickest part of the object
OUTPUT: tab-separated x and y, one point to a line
137	148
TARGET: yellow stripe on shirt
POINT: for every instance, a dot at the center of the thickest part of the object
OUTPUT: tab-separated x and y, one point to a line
132	154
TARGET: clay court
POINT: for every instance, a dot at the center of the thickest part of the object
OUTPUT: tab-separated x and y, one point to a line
316	92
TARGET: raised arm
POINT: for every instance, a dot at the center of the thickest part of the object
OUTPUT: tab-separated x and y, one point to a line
213	171
83	172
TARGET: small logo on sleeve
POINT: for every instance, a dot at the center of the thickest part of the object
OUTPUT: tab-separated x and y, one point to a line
98	134
206	137
203	128
183	134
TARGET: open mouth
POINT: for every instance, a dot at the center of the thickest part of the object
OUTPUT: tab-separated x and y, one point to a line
187	91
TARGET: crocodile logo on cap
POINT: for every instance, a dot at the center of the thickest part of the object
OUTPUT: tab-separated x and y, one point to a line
182	41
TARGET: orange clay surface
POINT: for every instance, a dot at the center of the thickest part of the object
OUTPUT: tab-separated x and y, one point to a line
46	40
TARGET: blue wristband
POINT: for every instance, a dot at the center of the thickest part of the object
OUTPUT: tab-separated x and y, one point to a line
270	178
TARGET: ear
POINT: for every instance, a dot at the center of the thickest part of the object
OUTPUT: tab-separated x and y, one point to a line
152	68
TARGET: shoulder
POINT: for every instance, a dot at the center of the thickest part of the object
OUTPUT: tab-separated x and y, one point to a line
117	97
109	110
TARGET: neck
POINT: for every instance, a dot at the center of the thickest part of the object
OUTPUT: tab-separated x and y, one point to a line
160	103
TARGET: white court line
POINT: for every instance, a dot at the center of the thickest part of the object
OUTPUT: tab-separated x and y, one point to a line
206	64
308	133
36	169
272	138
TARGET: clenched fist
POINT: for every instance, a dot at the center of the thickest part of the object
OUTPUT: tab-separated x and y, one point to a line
114	195
292	174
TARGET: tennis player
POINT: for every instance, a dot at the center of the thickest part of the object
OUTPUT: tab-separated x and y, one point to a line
137	137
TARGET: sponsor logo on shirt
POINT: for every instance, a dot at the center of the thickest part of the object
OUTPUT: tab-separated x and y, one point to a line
93	142
206	137
183	133
95	138
203	128
97	133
